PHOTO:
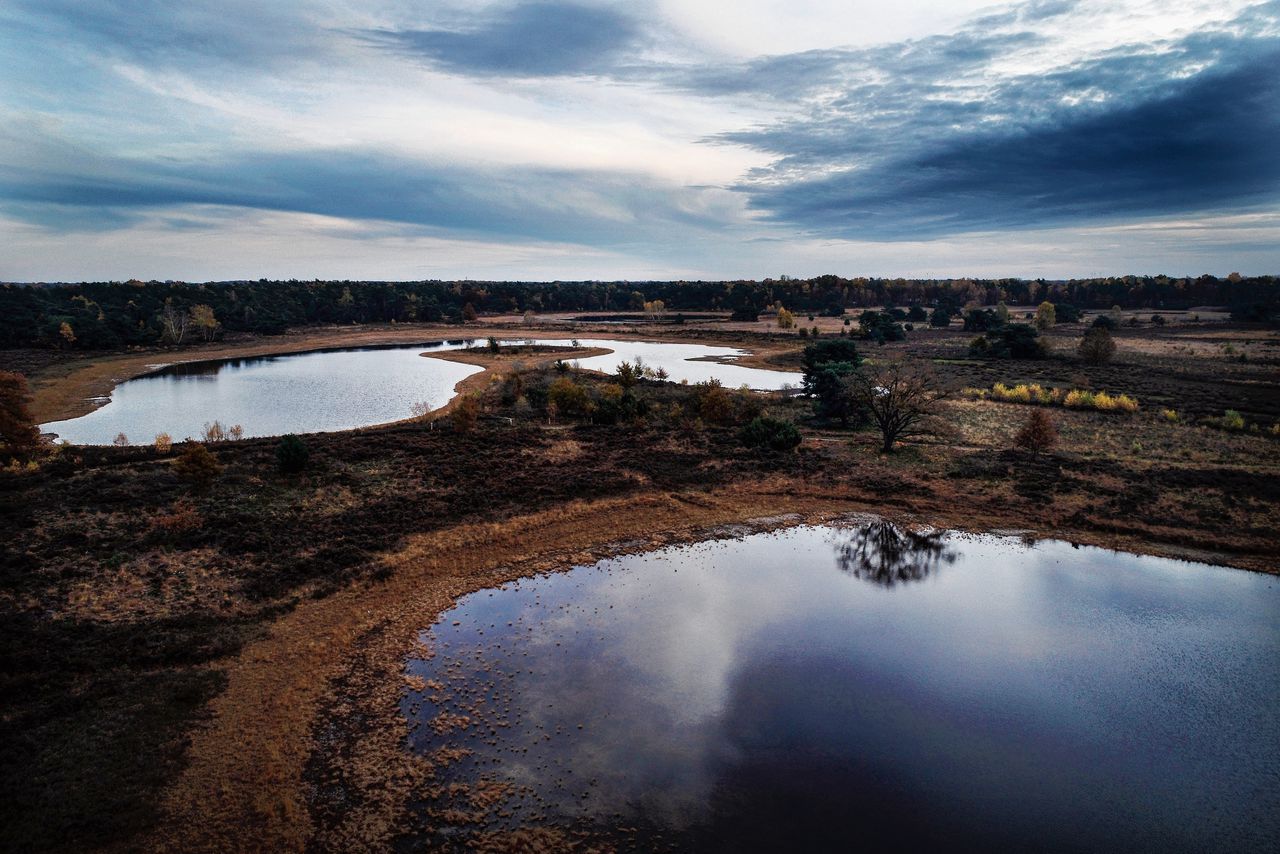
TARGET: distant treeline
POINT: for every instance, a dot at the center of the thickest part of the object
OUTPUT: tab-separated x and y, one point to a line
95	315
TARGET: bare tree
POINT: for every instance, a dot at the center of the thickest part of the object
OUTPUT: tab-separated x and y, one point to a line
902	397
173	323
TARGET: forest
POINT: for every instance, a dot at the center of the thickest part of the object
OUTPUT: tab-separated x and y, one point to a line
106	315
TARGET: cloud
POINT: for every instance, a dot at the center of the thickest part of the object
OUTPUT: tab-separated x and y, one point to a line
226	33
539	39
926	139
44	178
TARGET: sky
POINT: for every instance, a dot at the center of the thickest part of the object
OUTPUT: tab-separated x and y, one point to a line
637	139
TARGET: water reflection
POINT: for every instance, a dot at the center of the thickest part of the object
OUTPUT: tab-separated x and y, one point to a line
739	695
344	388
884	554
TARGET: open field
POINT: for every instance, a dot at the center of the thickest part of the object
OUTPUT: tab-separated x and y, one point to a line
184	658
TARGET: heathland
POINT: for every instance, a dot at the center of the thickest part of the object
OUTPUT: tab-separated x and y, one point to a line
180	622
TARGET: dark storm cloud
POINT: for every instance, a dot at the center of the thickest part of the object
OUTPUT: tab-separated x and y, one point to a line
542	39
916	141
1208	146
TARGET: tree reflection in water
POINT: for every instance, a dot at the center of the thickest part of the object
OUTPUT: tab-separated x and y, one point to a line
885	554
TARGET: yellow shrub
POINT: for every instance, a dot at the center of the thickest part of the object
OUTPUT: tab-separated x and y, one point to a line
1079	398
1170	415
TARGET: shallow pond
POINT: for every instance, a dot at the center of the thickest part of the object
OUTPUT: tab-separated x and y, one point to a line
341	389
847	688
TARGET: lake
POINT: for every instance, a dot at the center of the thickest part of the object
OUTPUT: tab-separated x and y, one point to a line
343	389
861	687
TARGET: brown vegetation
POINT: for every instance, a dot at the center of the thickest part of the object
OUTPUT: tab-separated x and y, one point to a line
249	632
18	431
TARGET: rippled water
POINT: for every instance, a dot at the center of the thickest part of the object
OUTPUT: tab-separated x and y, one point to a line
840	689
341	389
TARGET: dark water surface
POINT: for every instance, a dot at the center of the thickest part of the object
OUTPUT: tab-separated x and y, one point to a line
858	688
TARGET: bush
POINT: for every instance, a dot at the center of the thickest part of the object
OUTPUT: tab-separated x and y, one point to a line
19	435
1037	433
1015	341
981	320
292	454
1100	400
1104	321
197	465
1170	415
1097	346
466	413
1046	316
568	397
715	406
1232	420
772	434
880	326
164	443
917	314
941	316
184	518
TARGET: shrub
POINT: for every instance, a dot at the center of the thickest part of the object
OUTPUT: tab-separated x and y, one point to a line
1066	313
715	406
1046	316
1037	433
197	465
629	374
1097	346
183	518
941	316
1104	321
880	326
1015	341
1170	415
494	346
772	434
215	432
19	435
466	413
917	314
786	320
292	454
1232	420
568	397
164	443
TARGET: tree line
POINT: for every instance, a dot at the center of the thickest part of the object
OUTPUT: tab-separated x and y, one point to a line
102	315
